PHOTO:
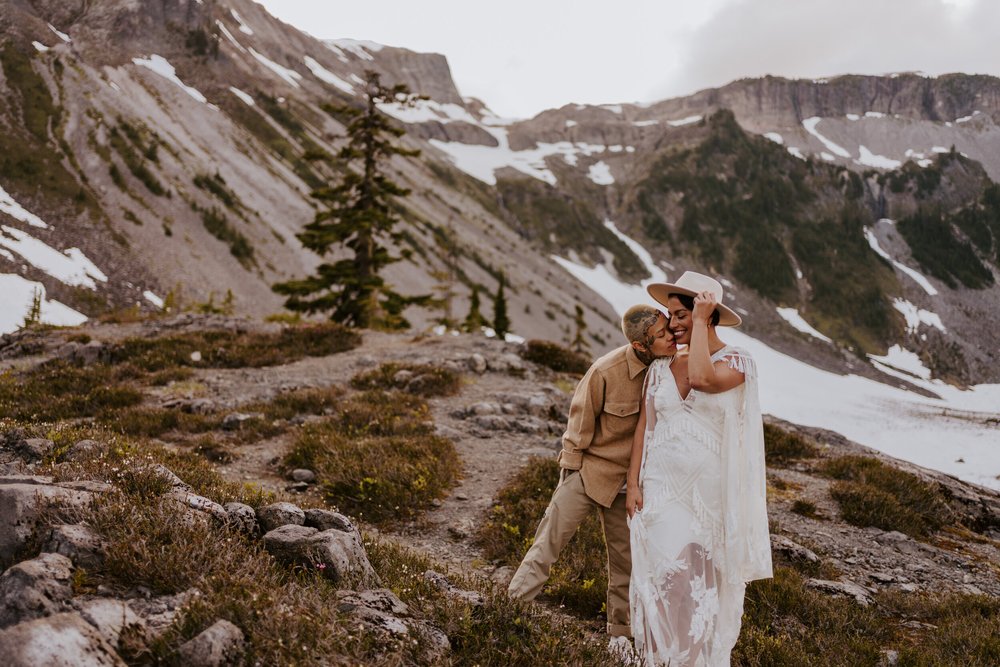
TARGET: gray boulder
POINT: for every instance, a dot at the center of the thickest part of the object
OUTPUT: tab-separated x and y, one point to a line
22	503
111	618
338	556
221	644
83	450
199	504
329	520
303	475
844	588
35	588
79	543
276	515
33	450
62	640
242	517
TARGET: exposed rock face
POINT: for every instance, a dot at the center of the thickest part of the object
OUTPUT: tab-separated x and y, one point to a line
61	640
79	543
22	501
221	644
337	555
280	514
35	588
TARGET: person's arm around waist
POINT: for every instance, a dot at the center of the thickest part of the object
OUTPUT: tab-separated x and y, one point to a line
633	493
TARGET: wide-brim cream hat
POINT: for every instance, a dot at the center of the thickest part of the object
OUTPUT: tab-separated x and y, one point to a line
690	284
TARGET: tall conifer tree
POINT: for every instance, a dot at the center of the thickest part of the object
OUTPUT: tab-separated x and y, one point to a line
360	217
579	343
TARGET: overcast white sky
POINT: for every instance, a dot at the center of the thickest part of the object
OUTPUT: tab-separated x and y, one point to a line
524	56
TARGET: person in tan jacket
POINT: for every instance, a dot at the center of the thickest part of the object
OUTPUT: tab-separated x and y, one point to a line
594	463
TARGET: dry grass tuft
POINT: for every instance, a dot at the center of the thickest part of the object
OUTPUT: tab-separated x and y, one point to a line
555	356
871	493
783	447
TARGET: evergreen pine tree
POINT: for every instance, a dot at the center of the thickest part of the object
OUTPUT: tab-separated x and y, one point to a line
579	343
474	321
359	216
34	314
500	322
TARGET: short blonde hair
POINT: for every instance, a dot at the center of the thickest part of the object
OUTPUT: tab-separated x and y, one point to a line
637	320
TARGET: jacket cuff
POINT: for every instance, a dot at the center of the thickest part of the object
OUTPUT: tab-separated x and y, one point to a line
570	460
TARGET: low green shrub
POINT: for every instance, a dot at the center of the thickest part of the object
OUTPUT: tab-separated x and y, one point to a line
377	457
381	479
781	446
224	349
805	508
60	390
786	623
579	578
871	493
555	356
419	379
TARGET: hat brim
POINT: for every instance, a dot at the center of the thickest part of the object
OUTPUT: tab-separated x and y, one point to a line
661	291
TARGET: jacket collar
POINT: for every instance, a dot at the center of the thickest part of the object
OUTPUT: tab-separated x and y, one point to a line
635	367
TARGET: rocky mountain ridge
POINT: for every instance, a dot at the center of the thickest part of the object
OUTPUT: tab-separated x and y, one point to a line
176	137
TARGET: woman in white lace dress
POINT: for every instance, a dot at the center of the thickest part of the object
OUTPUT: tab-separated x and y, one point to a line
696	487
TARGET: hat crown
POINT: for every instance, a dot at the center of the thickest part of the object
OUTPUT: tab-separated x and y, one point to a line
699	282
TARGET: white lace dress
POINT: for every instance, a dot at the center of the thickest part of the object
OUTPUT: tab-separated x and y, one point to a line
702	533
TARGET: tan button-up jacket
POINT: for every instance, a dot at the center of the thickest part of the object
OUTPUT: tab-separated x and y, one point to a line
602	420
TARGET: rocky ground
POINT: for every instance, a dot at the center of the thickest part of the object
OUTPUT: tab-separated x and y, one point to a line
507	411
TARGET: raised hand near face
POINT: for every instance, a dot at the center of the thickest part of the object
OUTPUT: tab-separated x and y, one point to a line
704	306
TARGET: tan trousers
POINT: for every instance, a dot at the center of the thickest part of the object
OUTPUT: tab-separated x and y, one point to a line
566	511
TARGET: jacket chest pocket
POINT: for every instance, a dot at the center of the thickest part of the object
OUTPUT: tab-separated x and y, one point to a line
620	418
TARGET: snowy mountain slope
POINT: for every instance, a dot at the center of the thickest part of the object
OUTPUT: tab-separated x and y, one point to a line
952	430
177	136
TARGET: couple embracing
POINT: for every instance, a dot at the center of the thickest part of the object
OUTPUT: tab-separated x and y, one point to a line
669	448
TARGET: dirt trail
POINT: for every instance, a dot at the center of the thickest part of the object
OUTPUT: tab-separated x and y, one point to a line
445	533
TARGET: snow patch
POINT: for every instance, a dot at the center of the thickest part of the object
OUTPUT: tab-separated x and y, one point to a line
61	35
359	48
72	267
776	138
853	116
244	28
793	317
17	295
874	114
917	316
613	108
325	75
940	149
289	75
684	121
966	119
18	212
159	65
229	36
153	299
571	123
904	360
247	99
810	125
422	111
41	48
869	159
826	156
645	123
794	150
915	275
600	173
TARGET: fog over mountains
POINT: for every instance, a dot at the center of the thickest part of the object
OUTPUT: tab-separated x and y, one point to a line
161	148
